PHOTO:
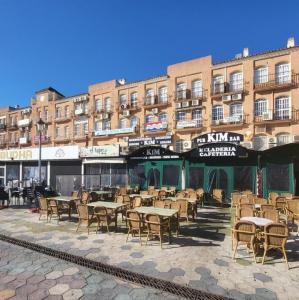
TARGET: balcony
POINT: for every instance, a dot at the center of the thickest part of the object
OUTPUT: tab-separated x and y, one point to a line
44	139
275	82
62	138
219	90
12	126
230	121
155	127
155	101
59	118
103	110
13	143
188	124
80	111
3	143
189	95
286	115
117	131
2	127
80	136
45	118
25	141
24	122
134	106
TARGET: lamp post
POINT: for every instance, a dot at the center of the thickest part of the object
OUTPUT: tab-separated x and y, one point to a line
40	125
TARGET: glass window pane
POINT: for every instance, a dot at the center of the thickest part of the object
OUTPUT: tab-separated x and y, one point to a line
171	175
243	178
278	177
196	177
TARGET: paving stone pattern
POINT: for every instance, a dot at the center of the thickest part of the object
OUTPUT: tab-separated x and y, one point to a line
70	282
199	257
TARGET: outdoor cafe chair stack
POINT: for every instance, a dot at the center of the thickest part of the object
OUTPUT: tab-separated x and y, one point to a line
244	232
275	237
84	217
135	224
156	226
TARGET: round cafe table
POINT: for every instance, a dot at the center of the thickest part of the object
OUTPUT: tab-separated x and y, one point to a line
257	221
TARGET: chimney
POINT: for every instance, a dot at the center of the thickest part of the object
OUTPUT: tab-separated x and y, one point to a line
291	42
245	52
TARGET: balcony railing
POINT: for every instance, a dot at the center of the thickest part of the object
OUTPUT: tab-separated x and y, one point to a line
155	100
280	115
218	89
189	94
2	126
276	81
80	111
44	139
155	126
59	138
62	117
45	118
128	106
12	126
230	120
13	143
26	140
103	109
188	124
80	136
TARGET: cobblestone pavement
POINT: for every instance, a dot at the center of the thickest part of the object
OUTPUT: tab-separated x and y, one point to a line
199	257
25	274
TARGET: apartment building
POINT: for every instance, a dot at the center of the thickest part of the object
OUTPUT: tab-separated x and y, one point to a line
253	95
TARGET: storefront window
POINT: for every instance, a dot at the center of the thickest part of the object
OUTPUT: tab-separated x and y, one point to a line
137	175
278	177
282	138
196	177
243	178
171	175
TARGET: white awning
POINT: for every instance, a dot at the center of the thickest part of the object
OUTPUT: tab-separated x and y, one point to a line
104	161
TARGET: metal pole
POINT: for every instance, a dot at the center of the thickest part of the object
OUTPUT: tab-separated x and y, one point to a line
40	158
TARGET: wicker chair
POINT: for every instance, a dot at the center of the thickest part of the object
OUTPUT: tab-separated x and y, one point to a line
159	203
84	217
174	222
180	194
43	207
135	224
272	196
156	226
246	205
218	196
104	217
137	202
293	212
244	233
162	194
244	212
235	198
127	200
185	210
189	190
272	215
265	207
247	192
56	209
123	210
259	200
276	235
75	194
167	203
280	204
85	197
144	193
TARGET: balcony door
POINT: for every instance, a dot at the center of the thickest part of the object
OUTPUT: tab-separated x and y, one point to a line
282	73
282	108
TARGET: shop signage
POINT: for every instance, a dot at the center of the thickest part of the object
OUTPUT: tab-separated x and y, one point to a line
115	131
48	153
152	152
100	151
159	140
80	98
218	137
219	150
187	124
155	126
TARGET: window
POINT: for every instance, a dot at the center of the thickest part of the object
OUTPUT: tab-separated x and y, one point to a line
260	143
77	106
98	105
181	89
66	111
171	175
179	146
283	138
58	112
134	99
66	131
163	117
260	107
197	116
123	99
236	81
85	129
163	94
77	130
98	125
149	119
122	123
181	116
57	132
107	104
46	115
261	75
236	112
196	177
217	113
282	108
282	73
278	177
149	97
134	122
243	178
196	88
218	84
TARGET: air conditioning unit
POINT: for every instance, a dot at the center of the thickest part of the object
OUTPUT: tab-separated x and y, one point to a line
195	102
267	116
226	98
247	145
178	105
126	113
272	140
187	145
185	104
155	110
123	106
296	138
236	96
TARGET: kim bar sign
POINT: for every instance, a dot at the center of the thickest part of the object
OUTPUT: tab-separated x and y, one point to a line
158	140
219	137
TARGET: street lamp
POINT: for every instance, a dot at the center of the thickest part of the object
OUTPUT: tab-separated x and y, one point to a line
40	125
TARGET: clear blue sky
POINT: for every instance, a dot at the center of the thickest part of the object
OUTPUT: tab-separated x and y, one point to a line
69	44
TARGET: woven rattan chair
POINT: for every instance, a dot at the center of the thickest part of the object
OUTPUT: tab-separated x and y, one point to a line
185	209
127	200
144	193
272	196
218	196
180	194
43	207
135	224
75	194
167	203
137	202
276	236
174	222
123	211
162	194
189	190
235	198
104	217
292	209
159	203
259	200
272	215
265	207
85	197
244	212
247	192
56	209
280	204
172	190
85	217
244	233
156	226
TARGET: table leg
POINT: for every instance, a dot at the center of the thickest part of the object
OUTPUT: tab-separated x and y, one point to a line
115	220
169	230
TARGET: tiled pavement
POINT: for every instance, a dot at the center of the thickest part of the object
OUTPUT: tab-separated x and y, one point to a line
25	274
200	257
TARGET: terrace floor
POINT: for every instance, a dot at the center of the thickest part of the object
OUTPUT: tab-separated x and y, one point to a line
199	257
